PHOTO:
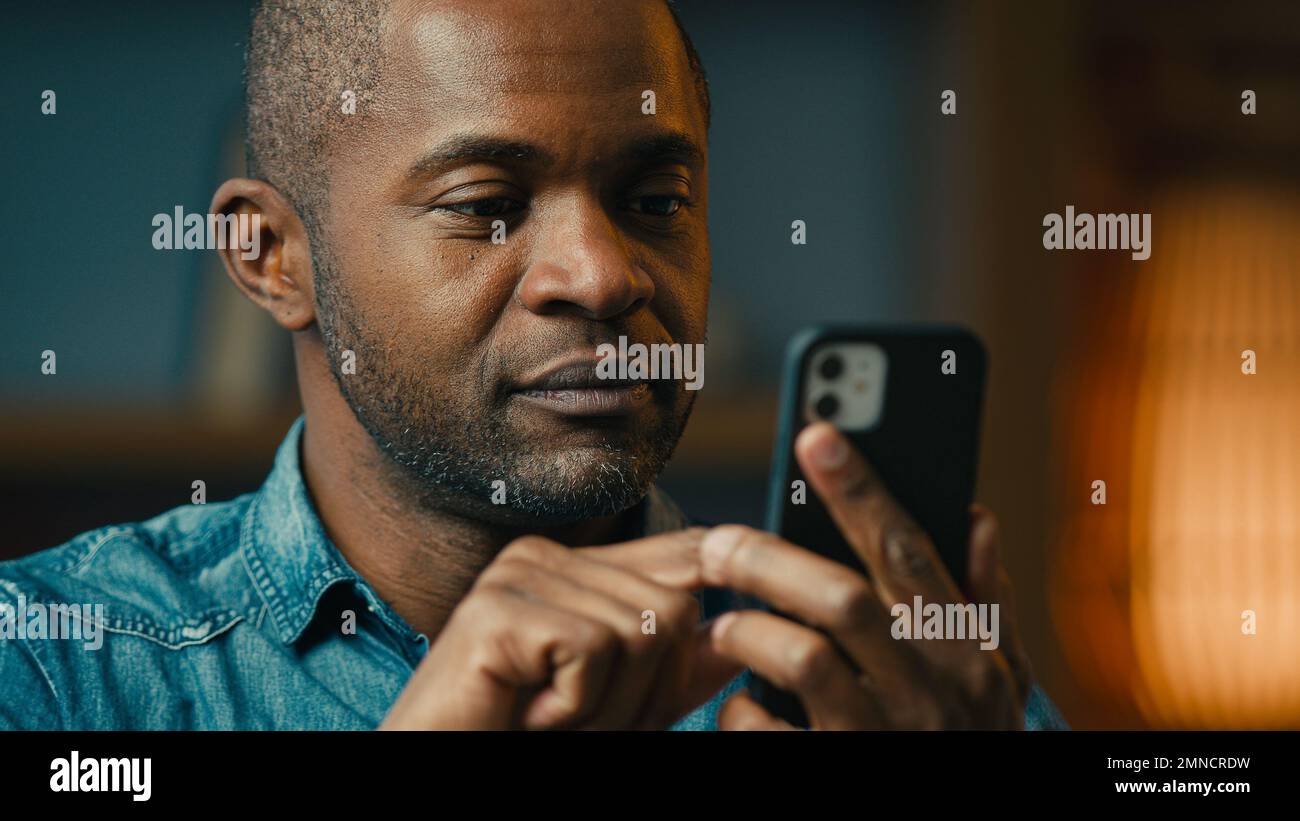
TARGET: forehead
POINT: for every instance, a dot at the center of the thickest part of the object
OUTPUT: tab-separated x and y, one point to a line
525	60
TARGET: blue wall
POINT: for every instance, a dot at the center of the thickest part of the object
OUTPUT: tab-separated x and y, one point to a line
146	95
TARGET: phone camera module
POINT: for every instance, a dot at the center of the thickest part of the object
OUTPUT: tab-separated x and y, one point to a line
831	367
827	406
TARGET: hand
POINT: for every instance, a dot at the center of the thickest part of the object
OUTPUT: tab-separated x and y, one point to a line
551	637
851	673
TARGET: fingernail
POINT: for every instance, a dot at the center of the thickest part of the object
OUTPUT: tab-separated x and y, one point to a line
722	625
830	451
716	549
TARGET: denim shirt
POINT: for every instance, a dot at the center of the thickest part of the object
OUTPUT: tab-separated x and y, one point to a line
229	616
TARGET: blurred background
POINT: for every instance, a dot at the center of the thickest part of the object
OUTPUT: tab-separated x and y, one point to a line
1103	368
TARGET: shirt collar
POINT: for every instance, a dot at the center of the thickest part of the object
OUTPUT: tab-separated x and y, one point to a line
292	562
289	558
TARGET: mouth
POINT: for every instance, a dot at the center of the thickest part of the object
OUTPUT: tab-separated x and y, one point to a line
573	388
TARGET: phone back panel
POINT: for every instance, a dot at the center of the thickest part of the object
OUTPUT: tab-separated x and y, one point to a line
924	445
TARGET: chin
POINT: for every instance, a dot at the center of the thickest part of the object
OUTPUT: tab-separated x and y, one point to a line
582	483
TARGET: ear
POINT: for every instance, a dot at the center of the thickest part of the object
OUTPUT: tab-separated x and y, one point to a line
278	278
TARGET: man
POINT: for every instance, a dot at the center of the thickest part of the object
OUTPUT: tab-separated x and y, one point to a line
462	531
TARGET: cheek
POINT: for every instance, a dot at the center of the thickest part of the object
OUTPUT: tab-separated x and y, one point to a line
429	301
682	289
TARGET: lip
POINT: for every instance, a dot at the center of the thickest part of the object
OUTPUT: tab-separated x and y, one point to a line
621	401
572	388
578	372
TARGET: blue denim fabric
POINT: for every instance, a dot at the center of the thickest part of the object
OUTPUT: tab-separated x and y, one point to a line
229	616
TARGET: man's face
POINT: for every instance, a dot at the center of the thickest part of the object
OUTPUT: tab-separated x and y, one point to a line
475	361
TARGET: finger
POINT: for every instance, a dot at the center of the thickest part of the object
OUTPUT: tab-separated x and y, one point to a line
989	584
812	588
637	666
657	622
671	559
706	673
519	645
1012	646
900	556
579	683
983	561
741	712
803	661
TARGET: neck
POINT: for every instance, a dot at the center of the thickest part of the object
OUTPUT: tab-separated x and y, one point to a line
421	561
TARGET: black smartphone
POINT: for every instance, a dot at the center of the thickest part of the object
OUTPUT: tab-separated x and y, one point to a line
909	399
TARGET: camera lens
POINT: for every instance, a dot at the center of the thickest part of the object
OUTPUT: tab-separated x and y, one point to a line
827	406
831	367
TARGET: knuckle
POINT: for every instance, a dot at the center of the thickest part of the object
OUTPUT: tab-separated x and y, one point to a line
505	574
681	612
481	613
750	552
689	539
903	545
851	603
595	639
811	663
738	536
529	549
734	531
860	484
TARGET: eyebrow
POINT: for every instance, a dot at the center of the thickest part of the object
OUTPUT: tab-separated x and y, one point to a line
469	147
663	146
464	147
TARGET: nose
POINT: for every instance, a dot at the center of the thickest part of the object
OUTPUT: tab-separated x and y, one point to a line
582	265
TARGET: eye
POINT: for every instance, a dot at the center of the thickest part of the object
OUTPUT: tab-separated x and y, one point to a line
486	207
656	205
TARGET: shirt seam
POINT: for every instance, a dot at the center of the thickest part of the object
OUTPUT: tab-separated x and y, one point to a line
257	576
64	718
